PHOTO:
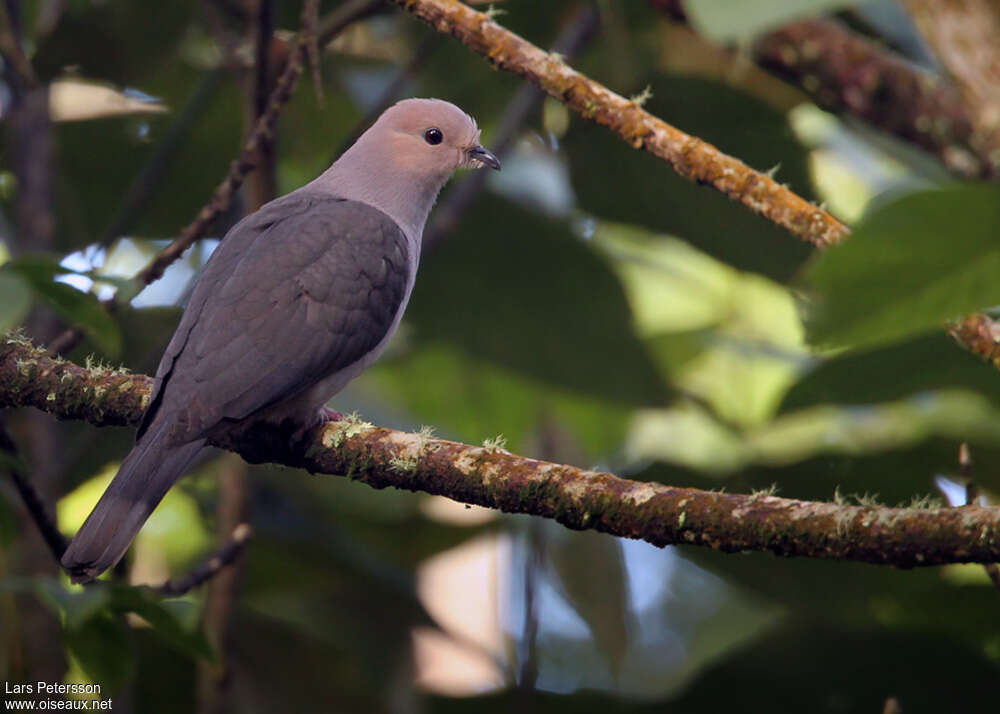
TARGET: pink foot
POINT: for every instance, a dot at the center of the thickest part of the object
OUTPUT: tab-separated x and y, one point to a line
326	414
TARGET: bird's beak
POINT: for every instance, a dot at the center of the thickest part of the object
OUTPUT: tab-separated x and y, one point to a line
485	157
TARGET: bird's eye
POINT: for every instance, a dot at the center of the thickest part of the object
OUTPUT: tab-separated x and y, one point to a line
433	136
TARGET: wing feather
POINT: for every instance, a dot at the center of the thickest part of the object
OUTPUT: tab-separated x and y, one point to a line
307	288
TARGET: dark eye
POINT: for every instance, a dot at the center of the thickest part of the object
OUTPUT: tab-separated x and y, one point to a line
433	136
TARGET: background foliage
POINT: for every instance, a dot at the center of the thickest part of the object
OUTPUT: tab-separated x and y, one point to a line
591	306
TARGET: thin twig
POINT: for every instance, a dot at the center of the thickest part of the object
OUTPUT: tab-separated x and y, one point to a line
33	501
691	157
963	34
18	68
260	136
391	93
224	556
577	498
980	335
146	183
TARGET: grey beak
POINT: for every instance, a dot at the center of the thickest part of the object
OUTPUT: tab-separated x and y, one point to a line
484	156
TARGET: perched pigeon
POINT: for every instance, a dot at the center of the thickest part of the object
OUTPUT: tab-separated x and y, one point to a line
298	299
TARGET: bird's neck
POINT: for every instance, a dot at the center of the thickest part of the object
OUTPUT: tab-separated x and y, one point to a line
405	198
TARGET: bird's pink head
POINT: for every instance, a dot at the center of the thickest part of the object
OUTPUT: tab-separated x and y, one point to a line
401	163
431	135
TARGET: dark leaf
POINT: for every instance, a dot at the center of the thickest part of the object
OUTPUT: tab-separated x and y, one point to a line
615	182
76	307
101	646
15	300
519	290
929	257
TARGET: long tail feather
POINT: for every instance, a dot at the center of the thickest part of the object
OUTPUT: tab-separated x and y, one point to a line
143	480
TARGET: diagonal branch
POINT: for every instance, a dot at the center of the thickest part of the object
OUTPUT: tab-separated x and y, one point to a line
691	157
846	72
255	147
492	477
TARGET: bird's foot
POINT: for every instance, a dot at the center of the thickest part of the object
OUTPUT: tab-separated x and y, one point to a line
326	415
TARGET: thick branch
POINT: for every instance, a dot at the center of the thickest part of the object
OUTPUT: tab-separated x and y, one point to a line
964	35
691	157
492	477
849	73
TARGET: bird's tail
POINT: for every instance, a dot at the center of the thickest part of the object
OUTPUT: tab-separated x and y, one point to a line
143	480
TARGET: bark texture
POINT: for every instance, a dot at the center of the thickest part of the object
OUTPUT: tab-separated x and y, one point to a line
493	477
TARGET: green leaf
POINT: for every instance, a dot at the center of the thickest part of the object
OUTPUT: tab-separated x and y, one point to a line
929	257
520	290
843	670
15	300
101	647
890	372
645	191
164	621
726	20
471	400
79	308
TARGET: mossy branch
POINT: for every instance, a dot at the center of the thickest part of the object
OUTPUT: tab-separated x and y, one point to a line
691	157
493	477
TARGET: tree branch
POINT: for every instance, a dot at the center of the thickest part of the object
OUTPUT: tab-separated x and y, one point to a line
691	157
848	73
491	477
32	500
216	563
254	148
963	34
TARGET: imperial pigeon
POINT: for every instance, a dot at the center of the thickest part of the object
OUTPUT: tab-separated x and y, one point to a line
296	301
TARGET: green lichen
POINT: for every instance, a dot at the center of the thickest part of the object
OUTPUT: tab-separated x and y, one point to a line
763	493
402	465
642	97
499	443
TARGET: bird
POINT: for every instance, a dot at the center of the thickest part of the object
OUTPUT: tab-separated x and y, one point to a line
296	301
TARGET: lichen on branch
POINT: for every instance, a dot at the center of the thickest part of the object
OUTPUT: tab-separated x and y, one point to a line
493	477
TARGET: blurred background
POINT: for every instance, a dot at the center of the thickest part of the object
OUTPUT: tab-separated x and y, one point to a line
586	305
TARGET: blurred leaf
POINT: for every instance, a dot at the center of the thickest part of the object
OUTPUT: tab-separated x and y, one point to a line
101	647
921	364
601	601
724	21
931	256
646	191
120	42
175	530
518	289
76	605
686	435
854	676
149	607
15	299
79	308
472	400
73	100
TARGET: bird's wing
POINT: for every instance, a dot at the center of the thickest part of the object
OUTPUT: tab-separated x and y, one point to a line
301	289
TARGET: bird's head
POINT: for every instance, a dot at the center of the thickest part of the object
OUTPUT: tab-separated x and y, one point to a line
432	136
